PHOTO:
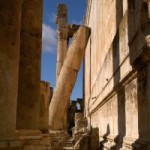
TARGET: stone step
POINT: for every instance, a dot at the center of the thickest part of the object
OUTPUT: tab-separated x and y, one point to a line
68	148
54	140
37	147
57	139
72	140
69	144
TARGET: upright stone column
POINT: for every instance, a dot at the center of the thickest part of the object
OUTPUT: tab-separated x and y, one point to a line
67	78
62	32
30	62
44	105
10	14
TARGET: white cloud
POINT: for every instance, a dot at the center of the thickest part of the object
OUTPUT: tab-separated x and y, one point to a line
49	40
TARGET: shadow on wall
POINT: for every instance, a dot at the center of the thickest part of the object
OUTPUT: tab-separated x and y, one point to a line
105	137
121	120
116	79
116	70
138	25
94	139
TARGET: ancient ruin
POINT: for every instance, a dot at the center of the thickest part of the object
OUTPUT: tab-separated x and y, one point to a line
114	113
68	73
116	75
28	103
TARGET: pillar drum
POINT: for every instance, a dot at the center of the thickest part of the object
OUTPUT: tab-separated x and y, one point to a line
61	49
67	78
58	69
10	12
29	67
61	55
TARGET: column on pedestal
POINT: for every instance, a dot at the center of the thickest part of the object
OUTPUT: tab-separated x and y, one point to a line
29	66
10	15
62	32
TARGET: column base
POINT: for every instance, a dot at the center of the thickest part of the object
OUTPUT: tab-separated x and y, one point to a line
27	140
108	143
139	144
29	134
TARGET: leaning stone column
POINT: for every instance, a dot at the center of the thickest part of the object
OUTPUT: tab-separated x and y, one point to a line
30	62
62	32
67	78
10	14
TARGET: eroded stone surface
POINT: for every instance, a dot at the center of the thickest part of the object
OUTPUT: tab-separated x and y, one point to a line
44	106
9	64
30	65
116	70
62	46
67	77
62	32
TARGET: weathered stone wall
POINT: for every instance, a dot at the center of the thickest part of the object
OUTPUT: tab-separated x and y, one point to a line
69	73
116	72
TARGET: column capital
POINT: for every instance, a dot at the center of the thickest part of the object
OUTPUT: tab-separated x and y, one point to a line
63	33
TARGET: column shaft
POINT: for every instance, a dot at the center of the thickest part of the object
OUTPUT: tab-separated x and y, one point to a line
10	15
61	55
62	32
30	62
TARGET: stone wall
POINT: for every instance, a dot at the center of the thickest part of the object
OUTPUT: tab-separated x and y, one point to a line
116	72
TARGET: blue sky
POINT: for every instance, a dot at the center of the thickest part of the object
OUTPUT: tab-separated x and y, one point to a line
76	11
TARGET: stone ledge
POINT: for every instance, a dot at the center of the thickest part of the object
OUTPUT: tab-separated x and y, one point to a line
11	144
41	142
